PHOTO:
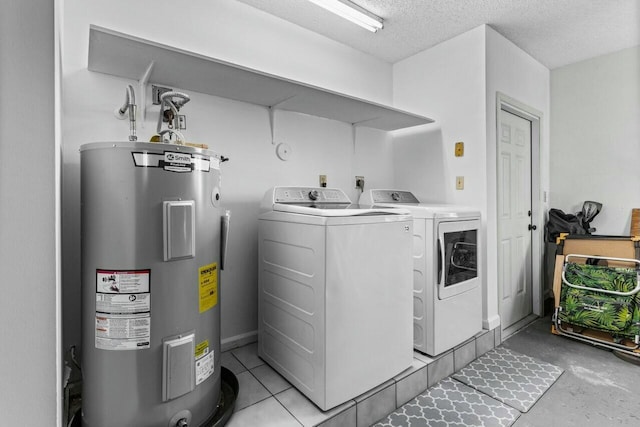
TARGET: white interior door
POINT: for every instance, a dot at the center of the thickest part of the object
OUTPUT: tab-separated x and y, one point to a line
514	218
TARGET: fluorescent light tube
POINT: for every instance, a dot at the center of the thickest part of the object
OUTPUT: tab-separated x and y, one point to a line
352	12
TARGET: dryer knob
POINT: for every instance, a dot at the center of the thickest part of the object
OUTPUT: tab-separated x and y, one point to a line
395	196
313	195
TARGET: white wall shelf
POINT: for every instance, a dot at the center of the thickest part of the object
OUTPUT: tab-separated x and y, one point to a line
131	57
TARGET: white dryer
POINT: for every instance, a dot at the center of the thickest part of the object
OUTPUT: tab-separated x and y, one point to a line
447	288
335	292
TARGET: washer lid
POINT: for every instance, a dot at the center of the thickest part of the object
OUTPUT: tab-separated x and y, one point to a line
319	201
336	209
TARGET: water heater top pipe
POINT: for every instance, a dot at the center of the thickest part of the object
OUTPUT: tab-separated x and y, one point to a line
129	105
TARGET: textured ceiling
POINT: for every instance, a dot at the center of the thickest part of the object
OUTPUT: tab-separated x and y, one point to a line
555	32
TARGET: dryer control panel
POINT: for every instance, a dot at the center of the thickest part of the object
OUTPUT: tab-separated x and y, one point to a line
392	196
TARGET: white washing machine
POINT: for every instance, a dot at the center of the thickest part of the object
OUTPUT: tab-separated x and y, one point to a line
335	292
447	287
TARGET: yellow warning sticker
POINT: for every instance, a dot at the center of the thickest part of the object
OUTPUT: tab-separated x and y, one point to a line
202	349
208	279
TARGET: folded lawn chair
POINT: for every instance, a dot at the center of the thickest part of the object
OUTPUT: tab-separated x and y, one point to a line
600	302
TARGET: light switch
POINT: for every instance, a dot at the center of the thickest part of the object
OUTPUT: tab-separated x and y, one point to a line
459	182
459	151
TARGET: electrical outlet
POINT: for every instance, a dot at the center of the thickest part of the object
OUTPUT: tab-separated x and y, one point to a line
459	150
323	180
360	183
459	182
182	122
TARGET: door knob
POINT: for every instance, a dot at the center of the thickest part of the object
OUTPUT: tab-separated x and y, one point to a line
532	227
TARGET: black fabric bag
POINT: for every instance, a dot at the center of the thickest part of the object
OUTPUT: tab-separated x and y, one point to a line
560	222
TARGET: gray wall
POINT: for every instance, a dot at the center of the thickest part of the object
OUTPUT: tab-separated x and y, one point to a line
595	137
28	313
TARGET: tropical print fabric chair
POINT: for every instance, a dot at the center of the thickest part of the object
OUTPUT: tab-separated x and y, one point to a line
600	297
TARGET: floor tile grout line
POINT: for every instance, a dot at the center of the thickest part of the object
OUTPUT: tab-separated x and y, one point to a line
237	360
255	403
287	409
240	361
260	382
274	397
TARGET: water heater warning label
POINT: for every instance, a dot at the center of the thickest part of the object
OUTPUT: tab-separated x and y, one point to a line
123	309
124	282
208	286
131	303
204	362
123	332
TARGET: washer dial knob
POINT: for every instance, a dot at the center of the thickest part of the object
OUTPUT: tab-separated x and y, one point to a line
313	194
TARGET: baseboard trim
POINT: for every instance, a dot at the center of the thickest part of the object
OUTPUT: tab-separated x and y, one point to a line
516	327
491	323
238	340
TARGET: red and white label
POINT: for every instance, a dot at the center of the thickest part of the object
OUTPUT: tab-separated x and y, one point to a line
123	309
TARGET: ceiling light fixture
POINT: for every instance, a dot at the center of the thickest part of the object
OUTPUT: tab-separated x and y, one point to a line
353	13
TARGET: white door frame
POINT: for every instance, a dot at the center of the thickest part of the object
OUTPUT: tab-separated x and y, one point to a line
510	105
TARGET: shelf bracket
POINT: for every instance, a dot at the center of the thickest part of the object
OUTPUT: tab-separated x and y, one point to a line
358	124
272	111
353	135
142	91
271	125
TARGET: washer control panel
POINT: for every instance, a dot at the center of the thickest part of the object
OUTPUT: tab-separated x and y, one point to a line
309	195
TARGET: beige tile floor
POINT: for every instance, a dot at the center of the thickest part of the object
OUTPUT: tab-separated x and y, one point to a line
267	399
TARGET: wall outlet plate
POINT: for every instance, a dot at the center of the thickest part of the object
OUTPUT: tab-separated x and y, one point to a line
182	122
323	180
459	182
360	182
459	150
